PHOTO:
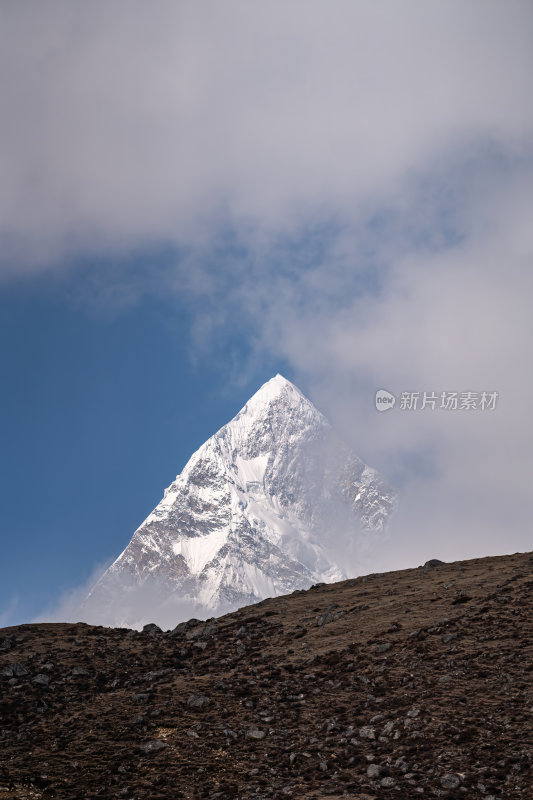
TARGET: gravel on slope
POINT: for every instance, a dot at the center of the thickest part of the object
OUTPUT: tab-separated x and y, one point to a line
408	684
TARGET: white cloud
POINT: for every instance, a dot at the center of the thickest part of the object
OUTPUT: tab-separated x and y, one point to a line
455	318
8	614
67	606
125	124
435	296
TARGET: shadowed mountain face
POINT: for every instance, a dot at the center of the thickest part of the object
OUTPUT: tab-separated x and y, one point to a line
273	502
405	684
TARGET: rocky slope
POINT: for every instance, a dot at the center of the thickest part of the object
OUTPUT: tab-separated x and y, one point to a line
407	684
245	520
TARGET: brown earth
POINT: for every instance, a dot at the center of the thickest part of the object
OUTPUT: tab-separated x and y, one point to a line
409	684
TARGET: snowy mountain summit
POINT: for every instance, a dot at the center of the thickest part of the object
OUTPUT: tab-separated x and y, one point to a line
273	502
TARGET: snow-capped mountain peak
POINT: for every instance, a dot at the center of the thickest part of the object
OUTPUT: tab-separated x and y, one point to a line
272	502
274	388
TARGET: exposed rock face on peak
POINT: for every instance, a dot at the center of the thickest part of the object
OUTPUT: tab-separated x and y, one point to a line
273	502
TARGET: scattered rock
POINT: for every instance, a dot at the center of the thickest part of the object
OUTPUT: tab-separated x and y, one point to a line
450	781
152	746
14	671
155	675
202	631
461	597
152	629
449	637
183	627
142	697
329	616
198	701
255	733
375	771
357	609
41	679
432	563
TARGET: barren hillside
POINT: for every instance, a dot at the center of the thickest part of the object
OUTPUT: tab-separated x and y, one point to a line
405	684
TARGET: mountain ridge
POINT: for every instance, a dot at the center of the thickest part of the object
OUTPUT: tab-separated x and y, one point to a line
273	501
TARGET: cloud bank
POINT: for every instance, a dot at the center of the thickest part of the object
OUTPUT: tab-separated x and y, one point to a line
124	124
67	605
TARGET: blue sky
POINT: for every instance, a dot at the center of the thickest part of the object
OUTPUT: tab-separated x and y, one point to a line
198	197
101	410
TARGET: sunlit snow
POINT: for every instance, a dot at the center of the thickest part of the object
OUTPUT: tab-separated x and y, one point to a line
272	502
